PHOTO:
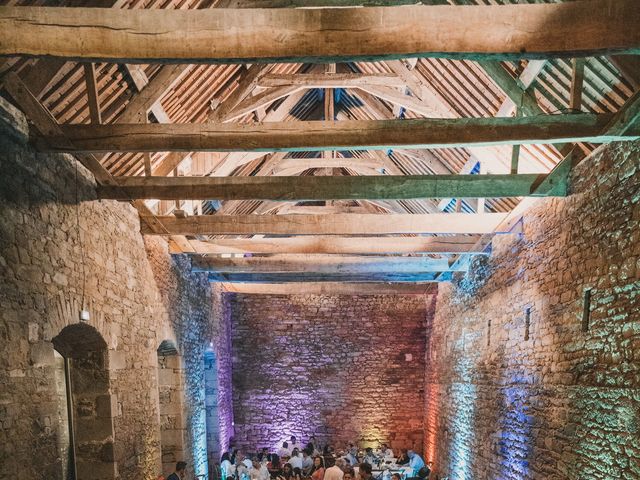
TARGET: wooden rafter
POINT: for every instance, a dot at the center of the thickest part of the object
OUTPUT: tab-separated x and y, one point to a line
591	27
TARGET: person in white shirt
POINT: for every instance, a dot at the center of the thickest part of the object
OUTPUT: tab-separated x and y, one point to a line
334	472
370	457
296	459
307	462
258	471
385	451
227	468
243	465
284	450
293	443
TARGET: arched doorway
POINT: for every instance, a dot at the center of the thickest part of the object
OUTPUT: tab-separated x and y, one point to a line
86	445
170	402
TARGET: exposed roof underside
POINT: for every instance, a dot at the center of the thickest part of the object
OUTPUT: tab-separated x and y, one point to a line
421	88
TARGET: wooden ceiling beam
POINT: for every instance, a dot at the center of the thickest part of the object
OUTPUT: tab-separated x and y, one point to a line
587	28
339	224
325	277
331	80
337	245
384	187
314	136
330	288
321	264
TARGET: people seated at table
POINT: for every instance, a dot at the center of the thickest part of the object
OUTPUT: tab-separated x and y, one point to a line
262	456
415	462
403	459
317	470
284	451
274	466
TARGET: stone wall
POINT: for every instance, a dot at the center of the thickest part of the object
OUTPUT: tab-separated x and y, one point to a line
342	368
518	385
57	255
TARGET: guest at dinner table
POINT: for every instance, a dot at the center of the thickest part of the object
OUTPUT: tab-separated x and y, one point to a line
365	471
296	459
293	443
307	461
258	471
274	466
403	459
369	457
297	474
349	474
286	473
227	468
385	451
415	462
334	469
351	455
284	450
317	471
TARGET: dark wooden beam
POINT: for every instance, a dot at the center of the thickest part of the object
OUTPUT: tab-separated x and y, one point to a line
323	277
586	28
307	136
384	187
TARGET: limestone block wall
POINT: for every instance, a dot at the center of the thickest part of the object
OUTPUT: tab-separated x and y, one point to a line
342	368
56	255
519	384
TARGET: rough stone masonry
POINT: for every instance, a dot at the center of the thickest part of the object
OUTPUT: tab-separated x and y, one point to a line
54	252
533	360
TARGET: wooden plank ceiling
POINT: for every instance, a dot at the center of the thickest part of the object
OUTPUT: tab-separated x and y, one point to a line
467	166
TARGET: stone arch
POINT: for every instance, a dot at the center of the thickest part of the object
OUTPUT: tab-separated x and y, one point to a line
90	405
171	405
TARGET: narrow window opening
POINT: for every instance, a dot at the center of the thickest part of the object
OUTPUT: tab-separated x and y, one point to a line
527	323
488	331
586	310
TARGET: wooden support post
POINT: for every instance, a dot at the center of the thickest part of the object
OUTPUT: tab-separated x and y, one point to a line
577	79
93	93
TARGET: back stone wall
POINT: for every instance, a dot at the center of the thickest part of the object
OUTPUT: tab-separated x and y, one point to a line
342	368
560	403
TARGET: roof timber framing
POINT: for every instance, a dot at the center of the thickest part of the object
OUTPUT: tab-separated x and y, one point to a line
591	27
385	187
300	136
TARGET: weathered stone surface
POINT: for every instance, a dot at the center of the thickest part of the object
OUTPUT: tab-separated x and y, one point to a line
54	253
565	403
331	366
